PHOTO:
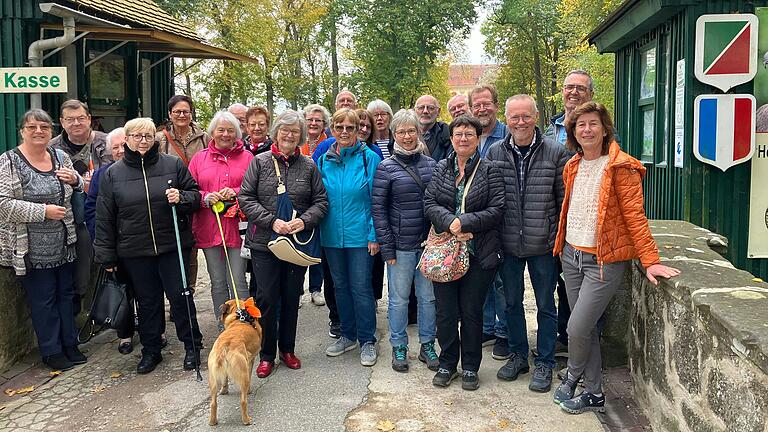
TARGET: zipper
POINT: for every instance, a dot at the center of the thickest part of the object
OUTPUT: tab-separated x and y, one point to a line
149	207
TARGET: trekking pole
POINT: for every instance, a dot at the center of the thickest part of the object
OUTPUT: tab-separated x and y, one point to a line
186	293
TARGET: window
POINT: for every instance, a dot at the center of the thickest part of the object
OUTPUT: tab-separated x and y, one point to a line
647	103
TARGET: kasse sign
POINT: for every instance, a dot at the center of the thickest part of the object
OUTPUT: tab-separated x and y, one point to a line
33	80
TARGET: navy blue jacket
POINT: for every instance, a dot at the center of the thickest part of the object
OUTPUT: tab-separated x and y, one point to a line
398	204
90	201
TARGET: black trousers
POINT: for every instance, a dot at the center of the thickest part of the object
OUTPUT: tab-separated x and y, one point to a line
462	299
150	277
280	285
330	292
563	309
377	276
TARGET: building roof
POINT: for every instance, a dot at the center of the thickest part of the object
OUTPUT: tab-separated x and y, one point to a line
468	75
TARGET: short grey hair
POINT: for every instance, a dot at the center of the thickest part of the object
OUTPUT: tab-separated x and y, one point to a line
237	106
35	114
404	117
312	108
378	104
115	132
582	72
227	117
290	118
521	97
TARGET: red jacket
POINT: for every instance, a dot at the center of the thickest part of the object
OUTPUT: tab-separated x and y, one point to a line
622	228
214	170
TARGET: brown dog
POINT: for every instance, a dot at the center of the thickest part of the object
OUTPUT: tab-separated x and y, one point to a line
233	354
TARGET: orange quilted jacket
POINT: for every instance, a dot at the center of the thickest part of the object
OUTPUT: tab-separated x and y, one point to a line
622	228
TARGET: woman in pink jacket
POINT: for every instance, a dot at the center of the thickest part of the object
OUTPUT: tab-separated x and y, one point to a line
219	171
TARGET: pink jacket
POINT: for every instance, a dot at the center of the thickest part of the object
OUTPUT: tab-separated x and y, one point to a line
214	170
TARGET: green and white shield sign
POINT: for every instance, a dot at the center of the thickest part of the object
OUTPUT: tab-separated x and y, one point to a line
726	49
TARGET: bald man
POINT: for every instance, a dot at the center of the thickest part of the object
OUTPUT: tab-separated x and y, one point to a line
435	134
457	105
239	111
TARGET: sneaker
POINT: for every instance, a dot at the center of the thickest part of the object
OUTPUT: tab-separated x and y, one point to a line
74	355
443	377
339	347
488	339
368	354
334	330
541	379
58	362
584	402
501	349
562	373
400	358
470	381
515	366
565	390
428	355
317	298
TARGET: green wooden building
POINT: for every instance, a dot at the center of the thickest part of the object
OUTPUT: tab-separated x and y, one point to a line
120	60
651	39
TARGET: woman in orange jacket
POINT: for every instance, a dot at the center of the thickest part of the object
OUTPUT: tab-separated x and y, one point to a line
602	228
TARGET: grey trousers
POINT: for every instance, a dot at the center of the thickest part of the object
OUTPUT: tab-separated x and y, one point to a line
588	296
220	280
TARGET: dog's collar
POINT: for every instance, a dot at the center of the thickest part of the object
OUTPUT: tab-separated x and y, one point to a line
244	316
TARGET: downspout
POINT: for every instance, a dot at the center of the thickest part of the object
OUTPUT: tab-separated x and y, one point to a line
35	53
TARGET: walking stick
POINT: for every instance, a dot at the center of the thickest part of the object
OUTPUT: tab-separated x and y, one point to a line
185	291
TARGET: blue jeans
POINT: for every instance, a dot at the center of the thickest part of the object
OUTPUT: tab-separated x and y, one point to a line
315	278
543	271
494	310
351	271
401	276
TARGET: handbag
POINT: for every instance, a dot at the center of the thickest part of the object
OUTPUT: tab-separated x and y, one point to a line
302	248
110	307
445	257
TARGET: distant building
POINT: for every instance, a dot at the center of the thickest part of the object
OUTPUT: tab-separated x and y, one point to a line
462	77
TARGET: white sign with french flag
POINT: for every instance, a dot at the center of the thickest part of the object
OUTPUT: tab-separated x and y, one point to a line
724	129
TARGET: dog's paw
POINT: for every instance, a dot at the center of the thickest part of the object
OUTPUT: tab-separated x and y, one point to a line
246	420
213	422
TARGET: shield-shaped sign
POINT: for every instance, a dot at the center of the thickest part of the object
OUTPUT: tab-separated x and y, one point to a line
724	129
726	49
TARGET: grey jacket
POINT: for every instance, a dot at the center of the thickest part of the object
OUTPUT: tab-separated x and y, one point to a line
97	152
531	218
258	195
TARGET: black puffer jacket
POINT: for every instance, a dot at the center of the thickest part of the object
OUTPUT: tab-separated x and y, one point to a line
530	219
133	217
484	206
439	142
258	195
398	204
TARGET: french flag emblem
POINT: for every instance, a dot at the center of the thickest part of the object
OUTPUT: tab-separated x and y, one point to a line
724	129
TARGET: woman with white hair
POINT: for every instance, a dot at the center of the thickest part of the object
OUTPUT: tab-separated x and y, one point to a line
219	170
135	231
382	116
317	118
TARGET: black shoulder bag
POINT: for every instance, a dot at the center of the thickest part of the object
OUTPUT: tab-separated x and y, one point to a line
110	307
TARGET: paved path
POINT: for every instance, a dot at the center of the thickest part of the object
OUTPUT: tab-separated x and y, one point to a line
327	394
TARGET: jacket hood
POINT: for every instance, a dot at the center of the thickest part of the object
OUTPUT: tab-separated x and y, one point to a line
236	148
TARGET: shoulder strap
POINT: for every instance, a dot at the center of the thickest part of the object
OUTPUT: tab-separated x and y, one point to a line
468	184
411	172
365	159
179	151
280	184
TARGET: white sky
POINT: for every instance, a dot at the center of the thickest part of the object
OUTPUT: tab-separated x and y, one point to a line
473	50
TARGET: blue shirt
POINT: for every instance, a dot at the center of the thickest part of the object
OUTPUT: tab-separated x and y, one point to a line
498	133
559	125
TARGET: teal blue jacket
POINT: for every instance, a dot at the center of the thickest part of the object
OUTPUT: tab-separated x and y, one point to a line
348	179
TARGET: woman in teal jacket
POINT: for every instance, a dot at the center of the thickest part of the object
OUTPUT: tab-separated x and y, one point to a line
348	236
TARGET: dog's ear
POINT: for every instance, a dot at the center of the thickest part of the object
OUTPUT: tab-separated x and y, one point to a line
225	309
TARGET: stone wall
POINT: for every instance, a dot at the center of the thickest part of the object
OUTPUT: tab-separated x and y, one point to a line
698	344
16	335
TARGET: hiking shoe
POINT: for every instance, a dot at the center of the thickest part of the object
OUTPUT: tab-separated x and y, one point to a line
443	377
339	347
368	354
515	366
541	379
74	355
584	402
317	298
400	358
470	381
334	330
501	349
428	355
58	362
565	390
488	339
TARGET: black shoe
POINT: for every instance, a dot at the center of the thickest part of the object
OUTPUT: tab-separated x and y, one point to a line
470	381
443	377
191	359
501	349
515	366
148	363
125	348
541	379
75	356
488	339
584	402
58	362
334	330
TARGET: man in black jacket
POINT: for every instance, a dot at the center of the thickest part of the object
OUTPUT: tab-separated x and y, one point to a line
532	168
434	133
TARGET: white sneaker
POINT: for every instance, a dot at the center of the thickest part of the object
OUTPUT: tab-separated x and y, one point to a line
317	298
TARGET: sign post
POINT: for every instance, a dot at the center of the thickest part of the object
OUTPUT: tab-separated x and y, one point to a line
33	80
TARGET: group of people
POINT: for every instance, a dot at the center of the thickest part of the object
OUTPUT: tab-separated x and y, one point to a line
371	183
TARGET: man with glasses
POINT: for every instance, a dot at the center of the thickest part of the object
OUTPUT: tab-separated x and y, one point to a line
239	111
484	104
578	88
457	105
88	150
434	133
532	168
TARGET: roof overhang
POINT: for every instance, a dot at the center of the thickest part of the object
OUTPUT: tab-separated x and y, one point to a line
150	40
632	19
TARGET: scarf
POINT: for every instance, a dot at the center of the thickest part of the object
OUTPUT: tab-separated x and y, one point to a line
401	151
280	156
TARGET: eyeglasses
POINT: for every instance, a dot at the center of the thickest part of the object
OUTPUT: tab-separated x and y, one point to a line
422	108
381	115
524	118
287	132
73	120
32	128
181	113
482	105
404	132
140	137
578	88
467	135
344	128
315	120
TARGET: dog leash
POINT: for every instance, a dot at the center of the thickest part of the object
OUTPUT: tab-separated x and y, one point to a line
242	314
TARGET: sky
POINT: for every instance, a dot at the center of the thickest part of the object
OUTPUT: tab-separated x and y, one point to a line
473	49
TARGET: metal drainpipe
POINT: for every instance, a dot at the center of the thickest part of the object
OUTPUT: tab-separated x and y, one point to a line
35	53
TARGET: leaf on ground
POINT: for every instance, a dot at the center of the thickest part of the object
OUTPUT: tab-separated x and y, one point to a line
503	424
114	375
18	391
757	280
9	392
54	373
493	413
99	389
385	426
448	403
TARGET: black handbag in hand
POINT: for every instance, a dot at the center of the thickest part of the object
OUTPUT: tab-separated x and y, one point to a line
110	307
